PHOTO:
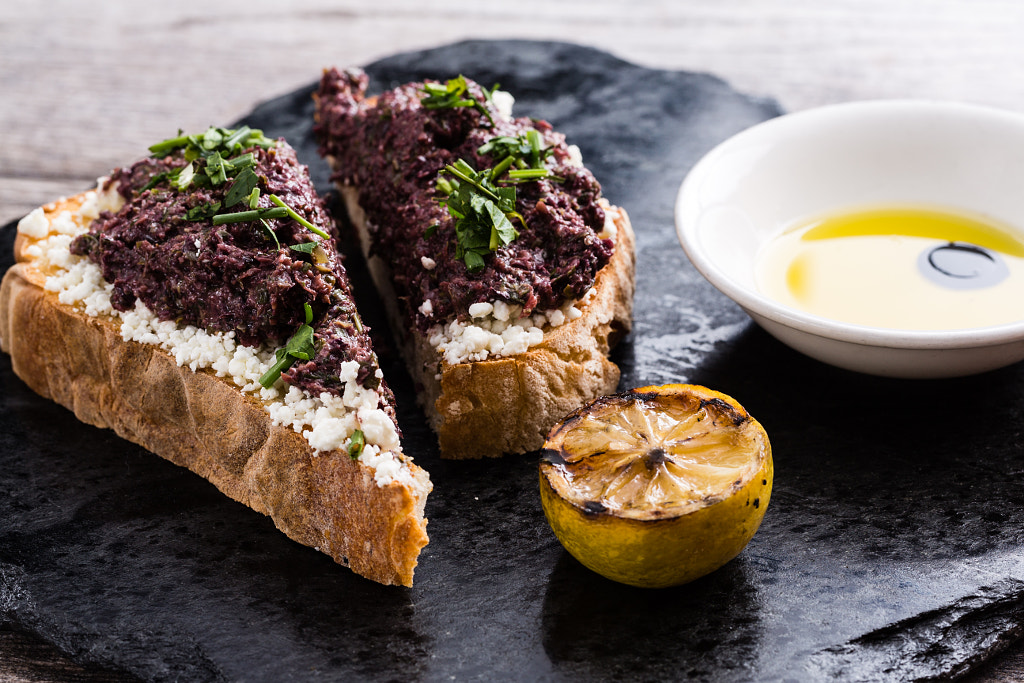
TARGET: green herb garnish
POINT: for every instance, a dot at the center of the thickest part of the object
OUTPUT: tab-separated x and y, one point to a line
220	151
183	178
356	443
296	217
305	247
269	231
250	215
521	157
453	94
298	347
483	213
203	211
242	189
215	169
213	140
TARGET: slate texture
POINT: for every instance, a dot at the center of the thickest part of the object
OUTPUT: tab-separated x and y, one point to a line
891	549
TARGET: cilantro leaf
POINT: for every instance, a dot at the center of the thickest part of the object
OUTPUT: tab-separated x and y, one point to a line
242	188
305	247
483	214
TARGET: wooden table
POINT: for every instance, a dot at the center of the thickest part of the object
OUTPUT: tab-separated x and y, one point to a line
88	86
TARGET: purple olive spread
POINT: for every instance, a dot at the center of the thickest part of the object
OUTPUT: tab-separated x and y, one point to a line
466	205
220	231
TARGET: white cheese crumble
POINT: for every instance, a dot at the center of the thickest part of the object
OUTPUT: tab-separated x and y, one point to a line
326	421
503	101
498	328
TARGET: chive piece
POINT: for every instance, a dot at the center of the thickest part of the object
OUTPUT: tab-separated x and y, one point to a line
167	146
533	138
528	173
298	347
254	198
254	214
296	217
241	162
235	138
356	444
284	361
270	231
502	167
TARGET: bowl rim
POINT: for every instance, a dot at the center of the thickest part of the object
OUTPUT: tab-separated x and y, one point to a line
756	303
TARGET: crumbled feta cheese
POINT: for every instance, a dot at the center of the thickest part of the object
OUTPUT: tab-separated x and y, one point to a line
609	231
498	329
501	311
427	308
575	156
481	310
504	101
428	263
34	225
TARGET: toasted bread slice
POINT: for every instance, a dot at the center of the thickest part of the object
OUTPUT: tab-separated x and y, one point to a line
323	499
506	402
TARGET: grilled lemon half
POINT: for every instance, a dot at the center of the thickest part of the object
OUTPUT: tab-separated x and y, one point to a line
657	486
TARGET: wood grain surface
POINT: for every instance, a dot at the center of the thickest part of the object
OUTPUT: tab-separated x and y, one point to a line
88	86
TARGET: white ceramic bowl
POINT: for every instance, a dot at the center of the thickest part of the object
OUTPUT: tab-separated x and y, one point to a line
842	157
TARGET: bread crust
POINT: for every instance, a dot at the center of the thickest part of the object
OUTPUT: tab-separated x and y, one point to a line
197	420
508	404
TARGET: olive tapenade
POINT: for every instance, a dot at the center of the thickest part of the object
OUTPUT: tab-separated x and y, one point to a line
224	231
415	150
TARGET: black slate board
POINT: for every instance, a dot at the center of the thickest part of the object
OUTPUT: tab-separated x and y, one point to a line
891	549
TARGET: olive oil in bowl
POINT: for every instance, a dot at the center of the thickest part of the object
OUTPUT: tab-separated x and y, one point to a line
902	268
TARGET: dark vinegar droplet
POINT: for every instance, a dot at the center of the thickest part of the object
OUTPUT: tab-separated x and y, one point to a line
959	265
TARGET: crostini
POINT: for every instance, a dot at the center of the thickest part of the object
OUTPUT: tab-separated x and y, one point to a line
507	276
194	302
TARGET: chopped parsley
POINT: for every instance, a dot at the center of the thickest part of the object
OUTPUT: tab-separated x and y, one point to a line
483	212
483	203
